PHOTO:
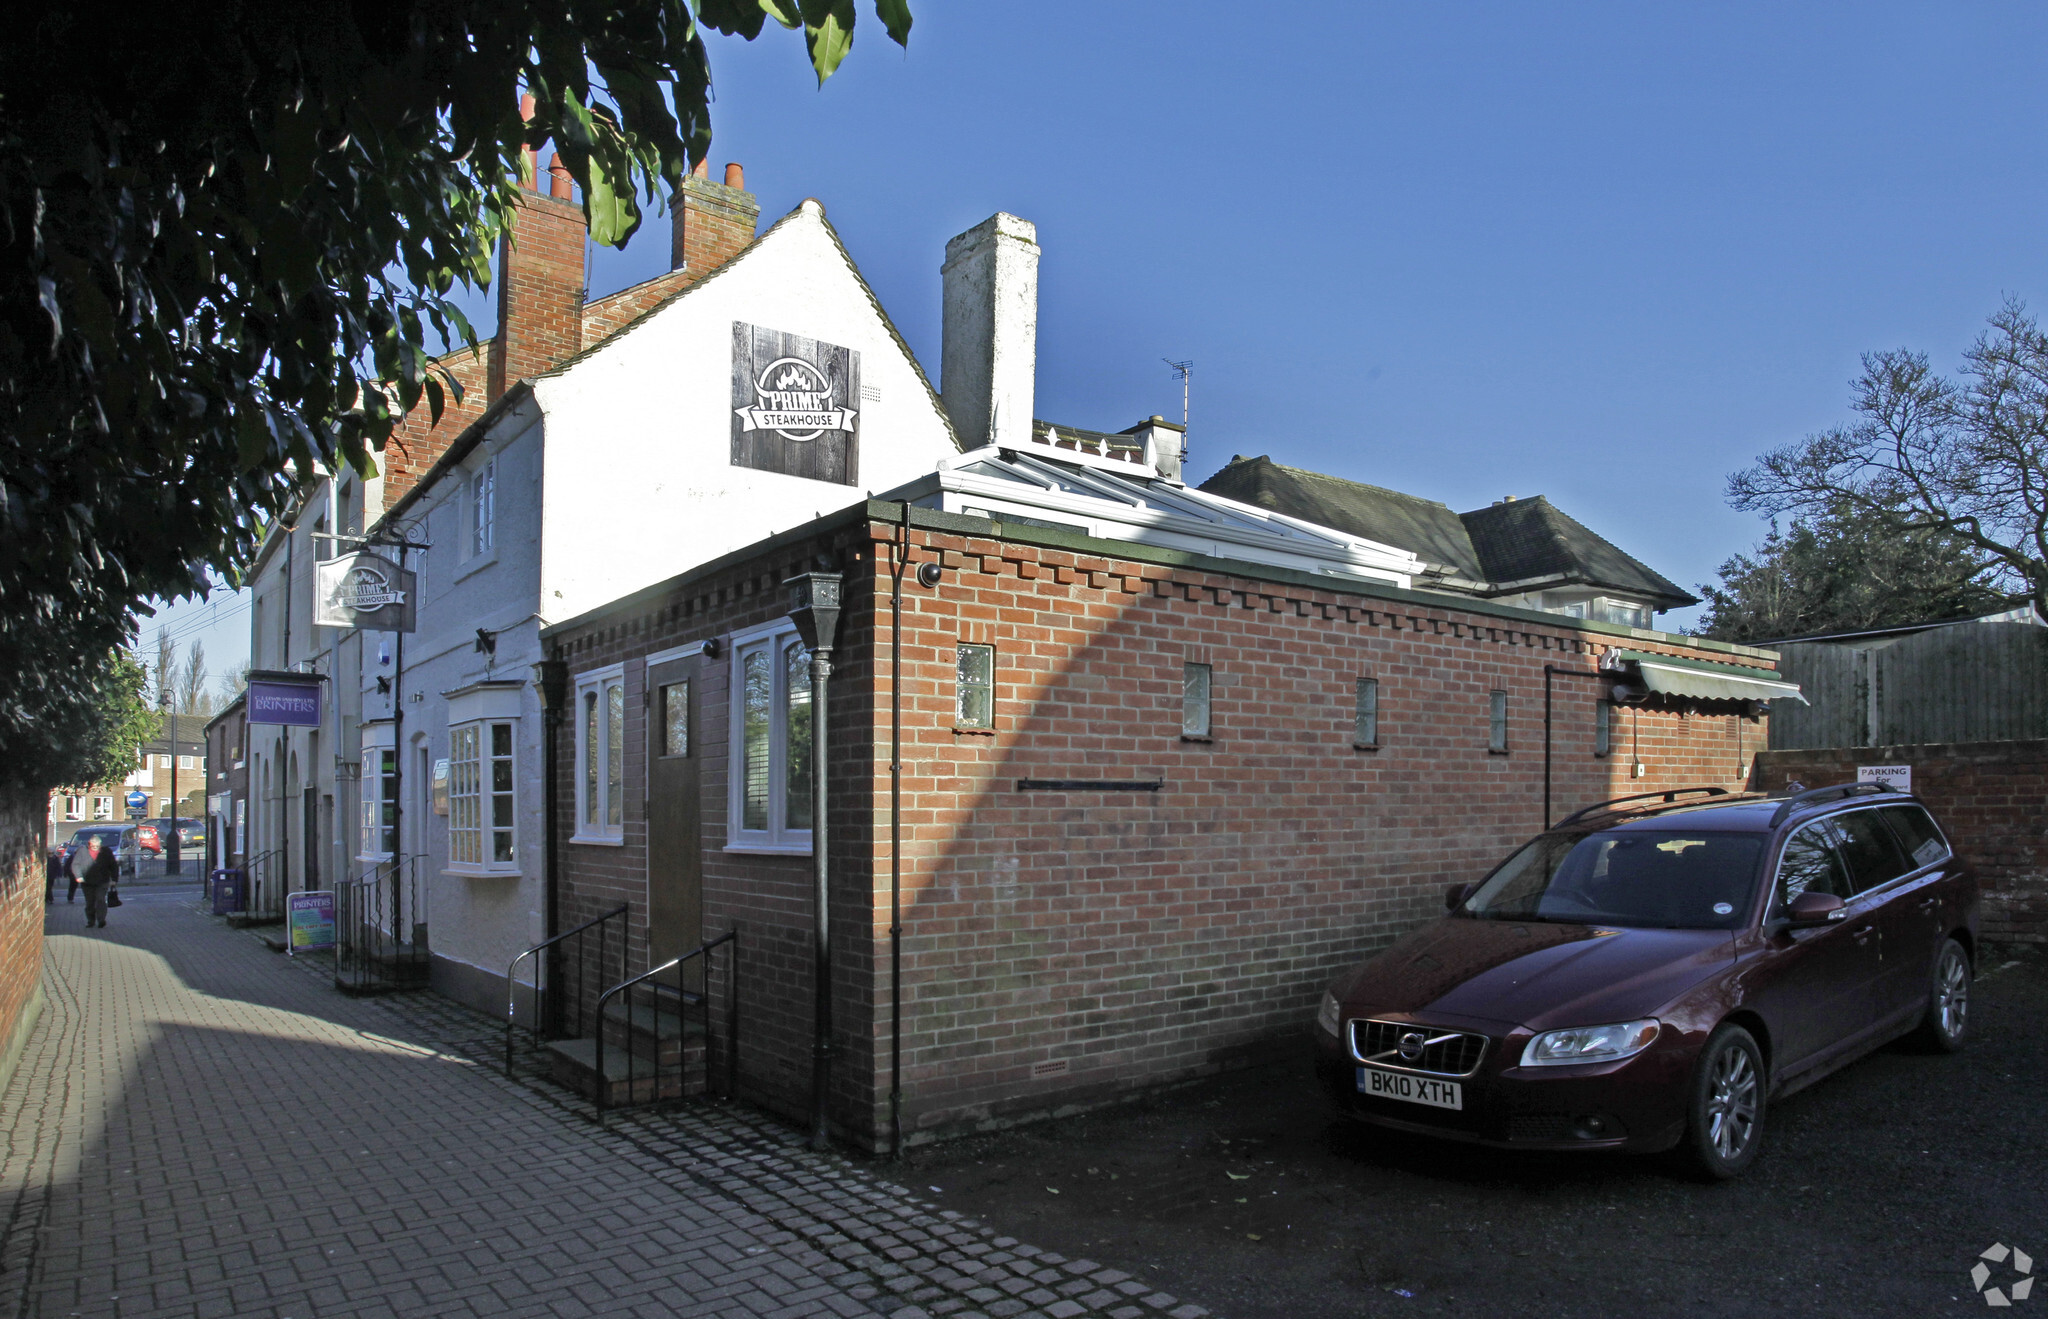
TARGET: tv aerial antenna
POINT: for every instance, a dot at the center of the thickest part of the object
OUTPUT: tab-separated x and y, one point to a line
1185	372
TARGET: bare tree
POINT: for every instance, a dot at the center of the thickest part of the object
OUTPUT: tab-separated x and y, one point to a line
233	683
192	696
1968	457
163	680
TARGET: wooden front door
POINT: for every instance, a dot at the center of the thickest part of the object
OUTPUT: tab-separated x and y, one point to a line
675	855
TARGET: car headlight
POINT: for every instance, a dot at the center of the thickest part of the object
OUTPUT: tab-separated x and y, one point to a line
1590	1044
1327	1016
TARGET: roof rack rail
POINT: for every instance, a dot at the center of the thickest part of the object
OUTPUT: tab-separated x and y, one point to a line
1833	790
1669	795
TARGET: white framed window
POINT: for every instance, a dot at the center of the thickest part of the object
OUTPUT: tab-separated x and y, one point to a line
74	808
379	833
601	756
184	762
103	808
163	762
481	828
770	794
483	501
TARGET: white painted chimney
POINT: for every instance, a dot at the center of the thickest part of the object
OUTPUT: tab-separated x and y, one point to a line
988	355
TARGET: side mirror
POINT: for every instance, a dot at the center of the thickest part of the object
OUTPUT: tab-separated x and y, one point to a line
1456	894
1816	909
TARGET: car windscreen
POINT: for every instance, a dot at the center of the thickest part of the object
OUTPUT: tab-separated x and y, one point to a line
1671	879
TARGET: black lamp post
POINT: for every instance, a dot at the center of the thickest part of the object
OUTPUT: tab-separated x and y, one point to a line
814	607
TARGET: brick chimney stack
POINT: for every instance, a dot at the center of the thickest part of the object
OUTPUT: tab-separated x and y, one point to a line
540	280
711	222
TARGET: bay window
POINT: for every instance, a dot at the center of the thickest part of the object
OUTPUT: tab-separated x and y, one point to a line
481	814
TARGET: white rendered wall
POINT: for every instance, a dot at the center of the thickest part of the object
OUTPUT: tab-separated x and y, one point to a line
640	482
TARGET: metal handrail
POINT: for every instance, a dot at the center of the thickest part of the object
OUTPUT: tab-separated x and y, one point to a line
512	985
257	870
673	964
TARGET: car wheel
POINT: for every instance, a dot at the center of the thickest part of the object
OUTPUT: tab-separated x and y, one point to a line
1725	1123
1947	1022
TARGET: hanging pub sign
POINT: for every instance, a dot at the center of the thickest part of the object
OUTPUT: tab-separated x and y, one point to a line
364	591
792	405
284	698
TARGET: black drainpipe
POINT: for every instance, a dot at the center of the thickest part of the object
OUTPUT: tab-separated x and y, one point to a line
896	567
554	679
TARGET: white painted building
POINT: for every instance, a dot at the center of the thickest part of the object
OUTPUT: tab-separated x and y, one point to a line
605	473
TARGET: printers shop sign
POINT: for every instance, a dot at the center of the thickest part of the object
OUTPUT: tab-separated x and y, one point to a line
365	591
793	405
278	701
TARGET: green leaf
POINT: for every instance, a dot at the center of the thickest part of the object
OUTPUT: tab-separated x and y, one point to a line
828	34
895	16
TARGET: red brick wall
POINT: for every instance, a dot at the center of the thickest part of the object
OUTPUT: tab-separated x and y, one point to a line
1989	797
540	290
22	821
710	225
417	443
1062	948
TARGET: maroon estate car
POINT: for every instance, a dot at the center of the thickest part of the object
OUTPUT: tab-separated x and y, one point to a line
1650	975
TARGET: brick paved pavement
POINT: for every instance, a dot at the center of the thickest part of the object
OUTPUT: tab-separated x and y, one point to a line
202	1128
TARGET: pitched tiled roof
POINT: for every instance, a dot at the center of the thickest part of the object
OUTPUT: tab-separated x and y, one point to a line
1423	527
1484	552
1521	539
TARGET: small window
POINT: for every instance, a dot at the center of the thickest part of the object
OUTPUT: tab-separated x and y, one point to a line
675	719
483	498
103	808
1603	729
976	692
601	757
1194	700
1497	723
1365	719
771	755
380	805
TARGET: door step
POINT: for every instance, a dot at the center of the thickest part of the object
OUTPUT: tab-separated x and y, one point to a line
574	1063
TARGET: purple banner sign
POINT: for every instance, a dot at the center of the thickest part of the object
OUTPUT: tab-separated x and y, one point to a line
296	703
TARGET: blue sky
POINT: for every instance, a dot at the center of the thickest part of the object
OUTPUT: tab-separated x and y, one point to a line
1602	252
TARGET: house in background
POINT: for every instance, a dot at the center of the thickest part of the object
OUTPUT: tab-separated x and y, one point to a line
1522	552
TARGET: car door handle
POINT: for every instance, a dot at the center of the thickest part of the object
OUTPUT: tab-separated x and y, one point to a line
1930	903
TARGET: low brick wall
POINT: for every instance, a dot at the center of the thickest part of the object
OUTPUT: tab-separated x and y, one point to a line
1992	797
22	817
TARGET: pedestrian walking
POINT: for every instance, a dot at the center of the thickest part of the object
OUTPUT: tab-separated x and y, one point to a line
100	873
71	873
53	870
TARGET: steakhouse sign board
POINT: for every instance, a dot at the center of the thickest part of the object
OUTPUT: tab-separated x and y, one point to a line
364	591
793	405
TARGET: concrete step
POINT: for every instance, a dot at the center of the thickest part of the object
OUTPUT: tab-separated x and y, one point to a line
573	1063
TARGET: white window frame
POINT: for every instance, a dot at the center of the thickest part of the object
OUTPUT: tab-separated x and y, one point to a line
482	533
371	828
593	816
472	799
773	639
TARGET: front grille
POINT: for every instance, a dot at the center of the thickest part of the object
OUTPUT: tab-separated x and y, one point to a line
1441	1052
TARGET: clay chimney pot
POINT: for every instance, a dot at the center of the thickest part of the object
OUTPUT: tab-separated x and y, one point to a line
735	177
558	178
701	170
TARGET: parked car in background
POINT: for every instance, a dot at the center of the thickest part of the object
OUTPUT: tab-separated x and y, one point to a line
1651	975
191	833
125	839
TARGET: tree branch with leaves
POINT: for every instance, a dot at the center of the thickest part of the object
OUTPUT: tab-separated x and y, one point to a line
231	237
1966	458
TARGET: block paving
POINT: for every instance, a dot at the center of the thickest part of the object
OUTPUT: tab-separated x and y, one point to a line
200	1127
